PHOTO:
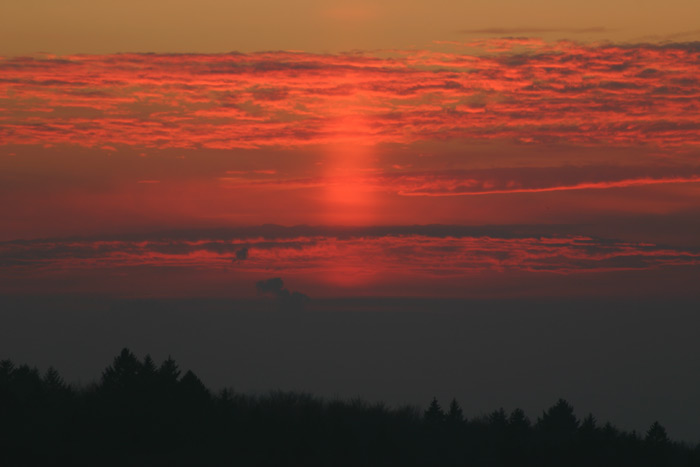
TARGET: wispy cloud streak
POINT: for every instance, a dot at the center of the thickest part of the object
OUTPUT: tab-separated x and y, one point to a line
489	181
530	30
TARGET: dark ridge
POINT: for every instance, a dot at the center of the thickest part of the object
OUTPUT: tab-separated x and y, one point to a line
142	413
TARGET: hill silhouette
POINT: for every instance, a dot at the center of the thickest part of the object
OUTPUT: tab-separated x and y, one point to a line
143	413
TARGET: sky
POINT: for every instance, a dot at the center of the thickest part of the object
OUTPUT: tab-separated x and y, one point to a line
325	26
493	200
472	149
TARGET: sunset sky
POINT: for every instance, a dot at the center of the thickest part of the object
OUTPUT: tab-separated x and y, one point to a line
462	149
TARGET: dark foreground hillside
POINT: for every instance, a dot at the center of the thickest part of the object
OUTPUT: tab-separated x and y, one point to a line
140	413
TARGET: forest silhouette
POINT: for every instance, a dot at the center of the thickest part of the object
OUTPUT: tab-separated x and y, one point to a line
143	414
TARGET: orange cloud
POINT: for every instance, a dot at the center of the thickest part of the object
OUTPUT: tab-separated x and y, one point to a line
562	92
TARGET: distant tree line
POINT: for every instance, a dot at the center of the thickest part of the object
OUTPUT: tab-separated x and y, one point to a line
143	414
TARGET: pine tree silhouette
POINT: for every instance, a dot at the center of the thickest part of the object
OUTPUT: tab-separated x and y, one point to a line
498	420
658	445
559	419
656	435
6	369
193	389
455	416
518	422
169	372
589	424
123	372
434	415
53	381
148	367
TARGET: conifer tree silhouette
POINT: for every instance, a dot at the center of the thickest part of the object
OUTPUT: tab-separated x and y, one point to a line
455	416
518	423
588	428
148	367
26	383
589	423
193	388
656	435
53	381
559	419
6	369
122	373
498	420
434	415
169	372
658	445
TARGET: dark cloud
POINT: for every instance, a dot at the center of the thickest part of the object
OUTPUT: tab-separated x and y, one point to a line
691	46
307	234
274	286
595	29
424	249
286	300
227	241
672	37
242	254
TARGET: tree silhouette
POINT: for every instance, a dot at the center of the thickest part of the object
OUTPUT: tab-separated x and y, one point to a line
53	381
518	423
141	413
498	420
169	371
6	369
589	424
193	388
656	435
455	416
434	414
658	444
148	367
559	419
123	372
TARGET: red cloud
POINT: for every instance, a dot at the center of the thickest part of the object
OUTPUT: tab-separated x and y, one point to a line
600	94
438	254
490	181
362	259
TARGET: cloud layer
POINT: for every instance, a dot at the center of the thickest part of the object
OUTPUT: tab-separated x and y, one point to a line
517	89
447	252
496	131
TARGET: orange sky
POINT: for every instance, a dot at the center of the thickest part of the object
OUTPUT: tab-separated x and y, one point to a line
87	26
582	158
